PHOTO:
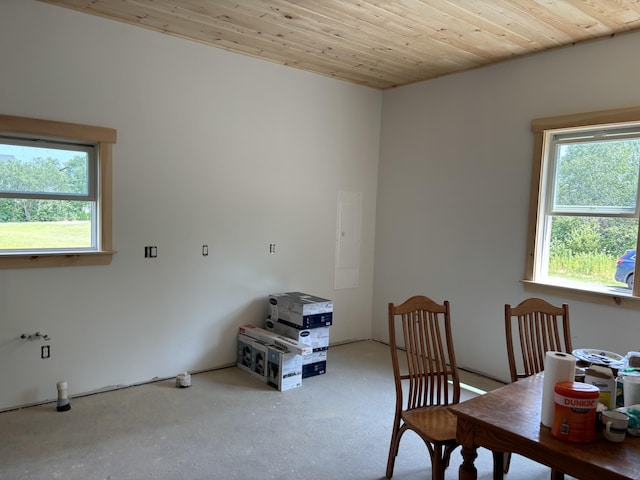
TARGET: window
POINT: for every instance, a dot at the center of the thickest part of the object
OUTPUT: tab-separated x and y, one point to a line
584	212
55	193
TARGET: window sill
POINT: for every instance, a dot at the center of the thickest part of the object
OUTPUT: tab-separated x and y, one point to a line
618	297
56	259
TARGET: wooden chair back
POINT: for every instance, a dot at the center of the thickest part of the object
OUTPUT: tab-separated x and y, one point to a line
424	365
533	328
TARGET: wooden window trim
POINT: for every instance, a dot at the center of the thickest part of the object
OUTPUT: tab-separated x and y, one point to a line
104	138
539	127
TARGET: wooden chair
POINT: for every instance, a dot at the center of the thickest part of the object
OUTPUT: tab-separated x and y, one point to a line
533	328
426	379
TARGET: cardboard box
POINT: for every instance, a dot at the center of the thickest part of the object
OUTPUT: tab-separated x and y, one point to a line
284	368
302	309
318	337
308	321
268	337
252	357
302	303
314	363
319	355
244	353
259	360
313	369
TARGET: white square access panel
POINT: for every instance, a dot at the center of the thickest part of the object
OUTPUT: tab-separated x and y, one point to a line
349	224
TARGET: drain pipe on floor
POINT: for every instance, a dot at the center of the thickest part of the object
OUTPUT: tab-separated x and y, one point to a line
63	400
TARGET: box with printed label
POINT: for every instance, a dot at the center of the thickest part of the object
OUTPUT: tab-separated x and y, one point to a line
276	339
319	355
244	352
284	368
302	303
318	338
252	356
308	321
259	359
313	369
302	309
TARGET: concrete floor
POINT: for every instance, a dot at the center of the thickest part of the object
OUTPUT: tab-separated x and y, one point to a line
228	425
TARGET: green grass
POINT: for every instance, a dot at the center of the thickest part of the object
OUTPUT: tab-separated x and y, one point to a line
31	235
589	268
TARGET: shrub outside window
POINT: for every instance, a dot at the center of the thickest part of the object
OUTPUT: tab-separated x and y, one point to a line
55	193
584	212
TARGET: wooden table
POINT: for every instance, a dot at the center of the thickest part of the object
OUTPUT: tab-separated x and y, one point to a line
508	420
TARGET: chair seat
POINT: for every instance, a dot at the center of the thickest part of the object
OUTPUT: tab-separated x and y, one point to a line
438	421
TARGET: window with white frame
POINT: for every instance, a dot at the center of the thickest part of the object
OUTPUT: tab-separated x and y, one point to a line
584	223
55	193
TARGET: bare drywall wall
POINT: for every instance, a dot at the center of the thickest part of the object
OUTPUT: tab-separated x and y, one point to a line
213	148
453	195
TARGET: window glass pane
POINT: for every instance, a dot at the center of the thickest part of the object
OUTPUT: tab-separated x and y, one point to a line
586	249
55	193
49	171
596	174
45	224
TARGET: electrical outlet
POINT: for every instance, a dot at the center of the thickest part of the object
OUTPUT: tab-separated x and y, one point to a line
150	252
45	351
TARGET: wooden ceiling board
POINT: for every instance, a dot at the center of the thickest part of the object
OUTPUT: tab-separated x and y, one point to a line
321	35
315	46
403	36
344	41
228	26
376	43
382	55
517	23
381	58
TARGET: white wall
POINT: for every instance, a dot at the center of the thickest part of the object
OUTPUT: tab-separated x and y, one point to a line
453	194
213	148
237	153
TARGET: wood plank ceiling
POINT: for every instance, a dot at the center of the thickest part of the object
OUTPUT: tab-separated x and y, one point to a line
376	43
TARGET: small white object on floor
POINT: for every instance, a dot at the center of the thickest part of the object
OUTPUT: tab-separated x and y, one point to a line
183	380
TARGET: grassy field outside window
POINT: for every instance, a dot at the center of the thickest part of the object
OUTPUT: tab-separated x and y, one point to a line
45	235
591	268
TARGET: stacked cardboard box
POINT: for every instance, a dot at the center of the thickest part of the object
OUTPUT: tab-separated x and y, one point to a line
305	319
270	357
252	354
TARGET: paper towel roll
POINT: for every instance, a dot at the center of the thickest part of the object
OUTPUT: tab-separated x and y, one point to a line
558	367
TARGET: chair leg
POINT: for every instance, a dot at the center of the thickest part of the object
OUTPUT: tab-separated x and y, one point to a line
440	454
556	475
448	450
393	448
437	463
393	451
507	461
